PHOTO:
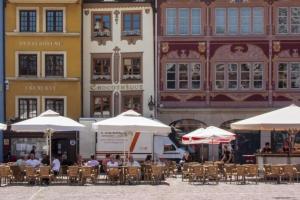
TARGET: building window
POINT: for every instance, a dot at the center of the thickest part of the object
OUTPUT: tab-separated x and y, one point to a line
54	65
27	20
101	106
183	21
132	68
57	105
27	64
101	25
101	69
235	21
183	76
288	76
131	24
54	21
243	76
132	102
27	108
288	20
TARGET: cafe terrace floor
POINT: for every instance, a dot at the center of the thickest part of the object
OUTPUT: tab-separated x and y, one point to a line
173	189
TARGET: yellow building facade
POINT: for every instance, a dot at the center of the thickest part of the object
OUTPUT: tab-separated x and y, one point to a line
43	57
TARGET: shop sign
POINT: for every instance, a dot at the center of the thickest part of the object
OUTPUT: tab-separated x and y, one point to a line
41	43
40	88
122	87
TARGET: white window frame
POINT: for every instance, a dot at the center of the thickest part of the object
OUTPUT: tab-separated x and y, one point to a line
191	21
239	32
189	74
44	53
17	53
45	19
288	21
18	9
289	75
27	97
238	88
54	97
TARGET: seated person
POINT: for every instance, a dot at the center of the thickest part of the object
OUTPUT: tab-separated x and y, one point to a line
112	163
56	165
105	161
93	162
227	155
45	160
119	160
148	159
286	146
32	162
267	148
21	161
132	163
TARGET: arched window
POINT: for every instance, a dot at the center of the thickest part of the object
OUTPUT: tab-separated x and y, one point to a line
226	125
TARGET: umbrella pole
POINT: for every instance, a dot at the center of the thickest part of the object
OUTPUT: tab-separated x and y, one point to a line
124	148
202	153
50	148
212	141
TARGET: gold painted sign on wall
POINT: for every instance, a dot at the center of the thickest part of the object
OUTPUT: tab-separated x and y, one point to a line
123	87
41	43
40	88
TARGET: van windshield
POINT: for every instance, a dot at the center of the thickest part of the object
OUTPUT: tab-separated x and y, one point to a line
169	147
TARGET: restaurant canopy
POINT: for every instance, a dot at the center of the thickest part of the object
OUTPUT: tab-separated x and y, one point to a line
131	122
48	120
2	126
209	135
284	119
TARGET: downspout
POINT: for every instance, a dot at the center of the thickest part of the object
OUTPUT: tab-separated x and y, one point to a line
155	59
81	59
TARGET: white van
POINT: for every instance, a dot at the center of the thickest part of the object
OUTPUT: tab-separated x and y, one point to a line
139	145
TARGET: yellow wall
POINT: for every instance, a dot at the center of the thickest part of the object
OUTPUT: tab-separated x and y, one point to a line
69	42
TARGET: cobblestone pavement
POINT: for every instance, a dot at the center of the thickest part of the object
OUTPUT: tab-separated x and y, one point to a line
174	189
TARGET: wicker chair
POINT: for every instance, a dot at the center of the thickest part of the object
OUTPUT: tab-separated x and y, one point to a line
298	172
212	173
289	172
87	173
252	172
72	174
240	173
185	171
113	175
5	174
45	174
229	172
17	173
275	173
133	175
156	174
30	175
197	174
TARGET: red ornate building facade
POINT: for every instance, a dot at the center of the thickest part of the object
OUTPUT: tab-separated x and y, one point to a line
223	60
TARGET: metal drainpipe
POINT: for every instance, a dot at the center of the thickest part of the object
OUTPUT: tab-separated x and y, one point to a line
155	9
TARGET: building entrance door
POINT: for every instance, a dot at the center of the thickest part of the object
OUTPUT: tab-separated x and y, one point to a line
66	148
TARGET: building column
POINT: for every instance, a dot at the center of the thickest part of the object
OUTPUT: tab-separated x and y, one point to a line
265	136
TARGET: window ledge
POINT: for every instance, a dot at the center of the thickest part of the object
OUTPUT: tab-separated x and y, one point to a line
41	79
132	39
32	34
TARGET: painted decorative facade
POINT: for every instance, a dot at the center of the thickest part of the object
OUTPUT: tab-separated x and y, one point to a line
43	58
220	61
118	51
43	71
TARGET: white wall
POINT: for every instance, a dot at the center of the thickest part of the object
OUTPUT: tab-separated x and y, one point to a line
146	46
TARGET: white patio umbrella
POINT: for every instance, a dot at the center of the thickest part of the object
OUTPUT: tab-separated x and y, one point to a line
131	122
210	135
47	122
284	119
3	126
